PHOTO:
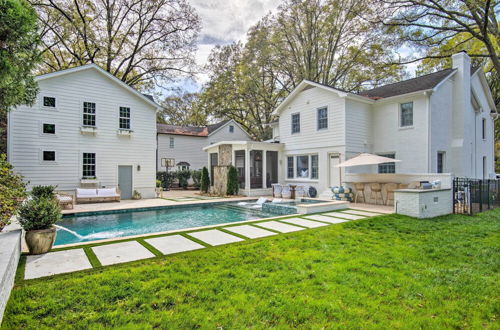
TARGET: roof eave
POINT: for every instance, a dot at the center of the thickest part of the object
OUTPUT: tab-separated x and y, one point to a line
391	98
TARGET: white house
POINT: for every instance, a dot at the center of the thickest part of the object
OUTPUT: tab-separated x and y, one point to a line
183	145
86	127
442	122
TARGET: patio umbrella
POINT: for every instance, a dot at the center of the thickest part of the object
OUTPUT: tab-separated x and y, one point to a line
366	159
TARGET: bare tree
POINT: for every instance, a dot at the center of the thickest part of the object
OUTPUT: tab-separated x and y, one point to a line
430	23
138	41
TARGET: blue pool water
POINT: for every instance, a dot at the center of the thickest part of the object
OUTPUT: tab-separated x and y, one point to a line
102	225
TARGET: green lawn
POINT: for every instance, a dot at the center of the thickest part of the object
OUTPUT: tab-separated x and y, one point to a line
384	272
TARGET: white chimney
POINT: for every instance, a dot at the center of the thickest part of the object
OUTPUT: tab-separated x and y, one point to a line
463	115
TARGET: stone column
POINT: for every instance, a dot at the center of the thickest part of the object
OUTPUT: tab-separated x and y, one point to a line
222	169
247	169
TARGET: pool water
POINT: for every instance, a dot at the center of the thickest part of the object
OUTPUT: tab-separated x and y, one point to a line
87	227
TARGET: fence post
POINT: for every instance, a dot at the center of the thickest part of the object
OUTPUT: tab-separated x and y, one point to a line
480	196
488	195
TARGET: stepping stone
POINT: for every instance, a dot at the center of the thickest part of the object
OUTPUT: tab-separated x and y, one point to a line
358	212
56	263
304	222
173	244
345	215
250	231
278	226
215	237
111	254
324	218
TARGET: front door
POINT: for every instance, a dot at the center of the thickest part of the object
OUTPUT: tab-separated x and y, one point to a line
334	170
125	181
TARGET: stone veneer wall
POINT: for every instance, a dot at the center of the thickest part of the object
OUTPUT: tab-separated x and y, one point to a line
220	180
10	251
225	154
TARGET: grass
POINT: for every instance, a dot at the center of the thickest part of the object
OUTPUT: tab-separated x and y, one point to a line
384	272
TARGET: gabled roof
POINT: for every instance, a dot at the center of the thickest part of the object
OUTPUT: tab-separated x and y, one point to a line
212	128
147	98
425	82
182	130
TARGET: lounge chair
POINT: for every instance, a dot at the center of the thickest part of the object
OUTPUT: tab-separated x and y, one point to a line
65	200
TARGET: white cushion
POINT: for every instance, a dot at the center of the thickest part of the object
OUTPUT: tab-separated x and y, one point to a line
277	200
261	200
64	198
107	192
85	193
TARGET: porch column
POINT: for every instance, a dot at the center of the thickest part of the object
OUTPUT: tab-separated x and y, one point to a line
247	169
264	169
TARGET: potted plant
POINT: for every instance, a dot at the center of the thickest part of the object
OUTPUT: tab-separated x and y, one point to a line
158	188
37	217
136	195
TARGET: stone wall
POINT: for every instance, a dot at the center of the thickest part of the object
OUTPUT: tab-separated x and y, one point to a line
220	180
225	154
10	251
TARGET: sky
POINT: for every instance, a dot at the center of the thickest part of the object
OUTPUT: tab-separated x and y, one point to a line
224	22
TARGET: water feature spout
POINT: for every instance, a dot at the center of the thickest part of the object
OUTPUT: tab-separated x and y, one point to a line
69	231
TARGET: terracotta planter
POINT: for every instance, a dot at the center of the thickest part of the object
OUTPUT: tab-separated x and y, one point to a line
40	241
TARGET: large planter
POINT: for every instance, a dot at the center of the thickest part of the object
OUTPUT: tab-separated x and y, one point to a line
40	241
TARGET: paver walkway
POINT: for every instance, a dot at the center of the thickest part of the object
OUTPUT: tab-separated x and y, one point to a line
66	261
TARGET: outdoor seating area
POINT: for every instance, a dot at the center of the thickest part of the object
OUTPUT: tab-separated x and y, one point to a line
292	191
379	192
65	200
97	195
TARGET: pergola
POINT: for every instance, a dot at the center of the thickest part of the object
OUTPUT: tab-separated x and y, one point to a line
257	163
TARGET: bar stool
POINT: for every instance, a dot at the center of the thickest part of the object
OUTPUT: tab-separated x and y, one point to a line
360	189
376	188
389	188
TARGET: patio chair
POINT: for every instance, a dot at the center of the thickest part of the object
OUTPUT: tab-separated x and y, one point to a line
65	200
389	188
277	190
360	190
285	192
299	191
376	188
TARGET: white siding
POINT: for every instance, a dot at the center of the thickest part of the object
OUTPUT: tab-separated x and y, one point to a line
189	148
26	140
441	126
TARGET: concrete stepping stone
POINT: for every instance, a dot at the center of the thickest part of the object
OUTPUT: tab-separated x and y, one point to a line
215	237
111	254
53	263
173	244
358	212
304	222
344	215
324	218
250	231
278	226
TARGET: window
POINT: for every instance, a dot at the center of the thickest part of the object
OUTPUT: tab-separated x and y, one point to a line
296	123
314	166
89	165
289	171
322	115
214	161
406	114
49	102
172	143
239	159
302	167
231	129
440	161
483	128
124	118
49	129
387	167
88	114
49	156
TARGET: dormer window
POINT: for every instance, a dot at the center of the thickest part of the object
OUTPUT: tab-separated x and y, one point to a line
49	102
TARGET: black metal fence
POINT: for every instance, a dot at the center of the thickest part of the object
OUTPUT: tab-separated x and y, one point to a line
471	196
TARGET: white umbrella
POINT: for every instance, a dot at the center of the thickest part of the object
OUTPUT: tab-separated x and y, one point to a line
367	159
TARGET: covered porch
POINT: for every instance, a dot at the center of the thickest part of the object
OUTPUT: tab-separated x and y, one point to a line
257	164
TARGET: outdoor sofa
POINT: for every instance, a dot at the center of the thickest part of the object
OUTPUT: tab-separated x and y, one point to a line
97	195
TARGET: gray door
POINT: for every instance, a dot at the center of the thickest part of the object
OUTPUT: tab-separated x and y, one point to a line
125	181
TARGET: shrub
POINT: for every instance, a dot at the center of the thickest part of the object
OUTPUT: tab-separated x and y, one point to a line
183	177
39	213
43	191
196	176
158	183
166	178
205	180
232	181
12	191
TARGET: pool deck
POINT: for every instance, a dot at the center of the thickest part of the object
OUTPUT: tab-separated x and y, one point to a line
76	258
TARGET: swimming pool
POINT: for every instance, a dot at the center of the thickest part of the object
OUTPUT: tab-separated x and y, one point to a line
86	227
